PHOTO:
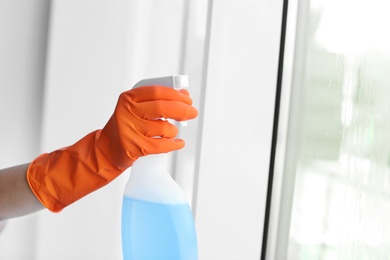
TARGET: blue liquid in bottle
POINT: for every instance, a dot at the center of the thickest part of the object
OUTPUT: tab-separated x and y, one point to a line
153	231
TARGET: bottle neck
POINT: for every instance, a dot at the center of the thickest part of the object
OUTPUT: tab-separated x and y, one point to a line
150	181
154	164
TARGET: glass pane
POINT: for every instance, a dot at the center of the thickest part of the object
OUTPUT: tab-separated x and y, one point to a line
341	202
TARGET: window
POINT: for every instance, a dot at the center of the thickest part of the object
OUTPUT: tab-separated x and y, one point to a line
334	199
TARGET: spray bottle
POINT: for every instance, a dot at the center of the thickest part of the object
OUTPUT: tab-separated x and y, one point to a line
157	222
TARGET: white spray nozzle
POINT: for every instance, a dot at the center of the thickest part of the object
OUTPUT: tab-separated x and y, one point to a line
176	82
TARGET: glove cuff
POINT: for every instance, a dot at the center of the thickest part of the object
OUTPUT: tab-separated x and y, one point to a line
60	178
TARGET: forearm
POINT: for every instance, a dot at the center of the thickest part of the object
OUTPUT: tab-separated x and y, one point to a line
16	197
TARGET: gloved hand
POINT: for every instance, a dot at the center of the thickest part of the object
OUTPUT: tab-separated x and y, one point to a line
66	175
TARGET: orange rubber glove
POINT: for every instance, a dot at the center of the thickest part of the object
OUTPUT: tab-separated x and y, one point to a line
66	175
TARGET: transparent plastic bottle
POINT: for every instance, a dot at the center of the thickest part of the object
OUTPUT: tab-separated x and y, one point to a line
157	222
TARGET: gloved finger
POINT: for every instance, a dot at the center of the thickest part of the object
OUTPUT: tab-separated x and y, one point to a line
164	145
149	93
185	92
158	128
176	110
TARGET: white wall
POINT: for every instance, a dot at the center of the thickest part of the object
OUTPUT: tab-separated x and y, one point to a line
23	33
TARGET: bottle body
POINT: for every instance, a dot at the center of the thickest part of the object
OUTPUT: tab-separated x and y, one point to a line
157	222
157	231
